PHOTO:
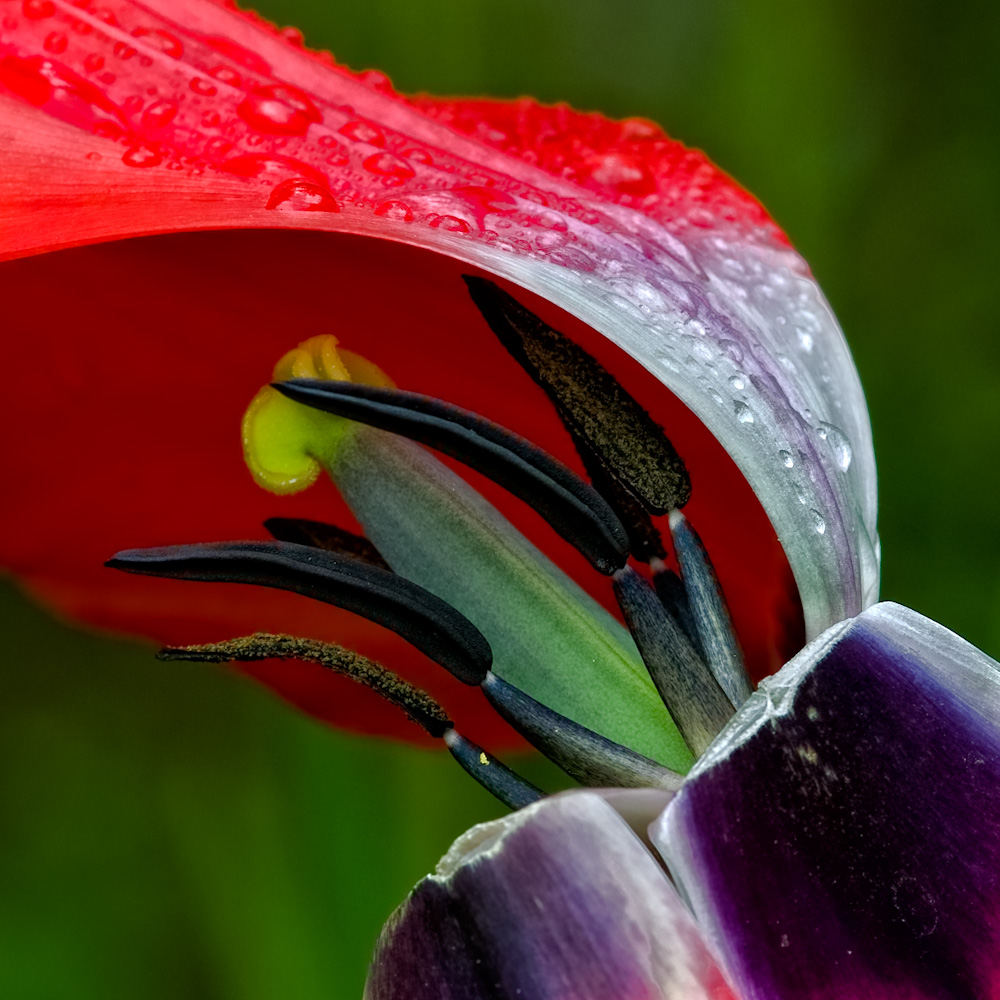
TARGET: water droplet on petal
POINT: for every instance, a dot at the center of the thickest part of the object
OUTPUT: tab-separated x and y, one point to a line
279	109
361	131
225	74
838	443
417	155
738	381
124	51
743	412
786	459
159	114
93	62
819	525
450	223
732	350
203	87
805	340
141	156
162	40
35	10
397	210
238	53
298	195
391	168
56	42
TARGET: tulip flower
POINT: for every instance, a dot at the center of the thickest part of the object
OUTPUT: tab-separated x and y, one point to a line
860	779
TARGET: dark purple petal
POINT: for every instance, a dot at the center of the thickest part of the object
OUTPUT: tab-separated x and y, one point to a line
841	839
559	901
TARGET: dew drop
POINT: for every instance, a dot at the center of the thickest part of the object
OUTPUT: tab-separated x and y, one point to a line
417	154
124	51
360	131
397	210
732	350
224	74
56	42
162	40
786	459
743	412
160	114
141	156
819	525
238	53
279	109
93	62
390	168
450	223
298	195
293	36
35	10
211	119
838	443
805	340
203	87
738	381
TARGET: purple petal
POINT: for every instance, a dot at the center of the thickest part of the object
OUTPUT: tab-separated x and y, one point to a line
841	839
560	900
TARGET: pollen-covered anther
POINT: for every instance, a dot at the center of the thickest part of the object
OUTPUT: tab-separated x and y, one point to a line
285	444
498	779
417	704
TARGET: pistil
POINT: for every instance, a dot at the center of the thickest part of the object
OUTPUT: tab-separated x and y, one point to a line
446	571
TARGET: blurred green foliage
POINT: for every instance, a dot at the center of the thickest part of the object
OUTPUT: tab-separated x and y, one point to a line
174	832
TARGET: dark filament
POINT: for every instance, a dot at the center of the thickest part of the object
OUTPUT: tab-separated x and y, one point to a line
427	622
573	507
325	536
689	691
587	756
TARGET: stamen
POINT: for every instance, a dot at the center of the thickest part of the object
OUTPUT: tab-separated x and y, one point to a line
690	692
573	507
428	623
498	779
605	422
417	704
325	536
670	590
711	615
587	756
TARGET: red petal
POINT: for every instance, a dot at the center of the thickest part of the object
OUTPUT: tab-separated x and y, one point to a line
134	360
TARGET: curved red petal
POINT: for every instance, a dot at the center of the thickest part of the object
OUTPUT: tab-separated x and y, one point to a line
126	120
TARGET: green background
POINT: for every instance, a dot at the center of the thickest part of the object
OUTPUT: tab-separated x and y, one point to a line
180	834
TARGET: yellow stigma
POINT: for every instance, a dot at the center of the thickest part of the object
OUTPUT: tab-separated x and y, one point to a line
285	443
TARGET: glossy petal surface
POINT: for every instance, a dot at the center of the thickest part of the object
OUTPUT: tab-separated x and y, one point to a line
842	837
558	900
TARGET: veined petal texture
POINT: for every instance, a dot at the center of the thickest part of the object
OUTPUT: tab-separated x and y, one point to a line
842	837
559	900
638	237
